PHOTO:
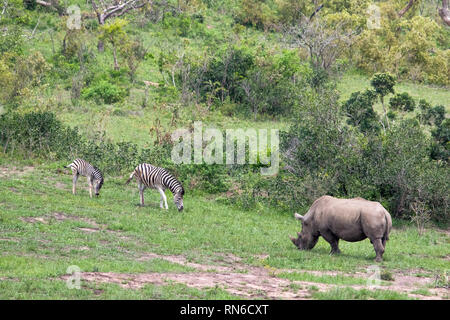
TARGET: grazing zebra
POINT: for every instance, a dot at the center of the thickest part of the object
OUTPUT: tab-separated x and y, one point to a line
93	174
148	176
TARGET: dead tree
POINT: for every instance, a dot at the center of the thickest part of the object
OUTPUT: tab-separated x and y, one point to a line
323	42
52	4
115	8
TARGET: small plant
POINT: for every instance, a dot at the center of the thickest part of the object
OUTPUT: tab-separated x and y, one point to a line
441	280
386	276
421	215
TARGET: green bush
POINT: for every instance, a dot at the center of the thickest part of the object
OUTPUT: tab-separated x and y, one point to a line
360	112
104	92
402	101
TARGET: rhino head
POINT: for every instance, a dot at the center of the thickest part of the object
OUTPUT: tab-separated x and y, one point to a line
307	239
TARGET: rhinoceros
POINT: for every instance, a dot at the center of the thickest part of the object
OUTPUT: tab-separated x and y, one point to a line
347	219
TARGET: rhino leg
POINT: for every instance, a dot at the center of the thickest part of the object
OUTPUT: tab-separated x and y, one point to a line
383	242
332	240
379	249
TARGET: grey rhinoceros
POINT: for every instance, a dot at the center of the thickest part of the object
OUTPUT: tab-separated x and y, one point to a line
347	219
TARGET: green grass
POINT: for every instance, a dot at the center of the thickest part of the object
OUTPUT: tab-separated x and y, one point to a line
40	250
57	290
305	276
422	292
345	293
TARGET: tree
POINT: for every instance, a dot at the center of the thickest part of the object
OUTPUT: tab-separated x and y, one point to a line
134	53
52	4
383	83
114	34
444	12
324	41
359	109
115	8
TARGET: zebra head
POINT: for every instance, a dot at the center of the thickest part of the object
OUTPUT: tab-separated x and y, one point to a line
98	183
178	199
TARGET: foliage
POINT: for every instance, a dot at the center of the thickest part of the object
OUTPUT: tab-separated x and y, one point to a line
383	83
402	101
409	47
104	91
360	112
256	13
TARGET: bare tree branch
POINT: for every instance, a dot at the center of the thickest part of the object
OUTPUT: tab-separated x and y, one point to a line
54	4
117	8
315	11
324	43
405	9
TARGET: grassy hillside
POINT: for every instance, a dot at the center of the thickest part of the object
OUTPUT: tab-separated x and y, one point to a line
231	65
45	229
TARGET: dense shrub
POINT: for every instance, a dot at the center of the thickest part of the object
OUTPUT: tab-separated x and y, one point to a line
360	112
104	92
402	101
37	134
393	166
260	85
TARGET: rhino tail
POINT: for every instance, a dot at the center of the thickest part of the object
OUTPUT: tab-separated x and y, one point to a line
388	218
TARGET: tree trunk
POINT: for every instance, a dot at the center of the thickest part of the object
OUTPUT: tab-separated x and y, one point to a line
445	13
116	64
100	46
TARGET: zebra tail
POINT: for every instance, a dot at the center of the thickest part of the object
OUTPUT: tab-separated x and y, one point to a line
131	177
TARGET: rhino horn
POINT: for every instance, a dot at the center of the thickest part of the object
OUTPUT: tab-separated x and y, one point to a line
298	233
298	216
292	239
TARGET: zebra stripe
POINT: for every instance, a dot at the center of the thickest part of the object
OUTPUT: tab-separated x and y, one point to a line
149	176
93	174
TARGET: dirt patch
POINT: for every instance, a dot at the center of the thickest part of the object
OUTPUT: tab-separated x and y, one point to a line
10	239
247	285
6	172
89	230
257	282
60	216
34	219
61	186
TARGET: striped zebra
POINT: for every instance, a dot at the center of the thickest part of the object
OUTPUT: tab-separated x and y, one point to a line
148	176
93	174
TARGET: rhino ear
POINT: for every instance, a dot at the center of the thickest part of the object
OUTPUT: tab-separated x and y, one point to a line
298	216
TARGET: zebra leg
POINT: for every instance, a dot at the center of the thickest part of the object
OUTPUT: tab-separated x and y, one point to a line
163	198
74	182
141	192
89	179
